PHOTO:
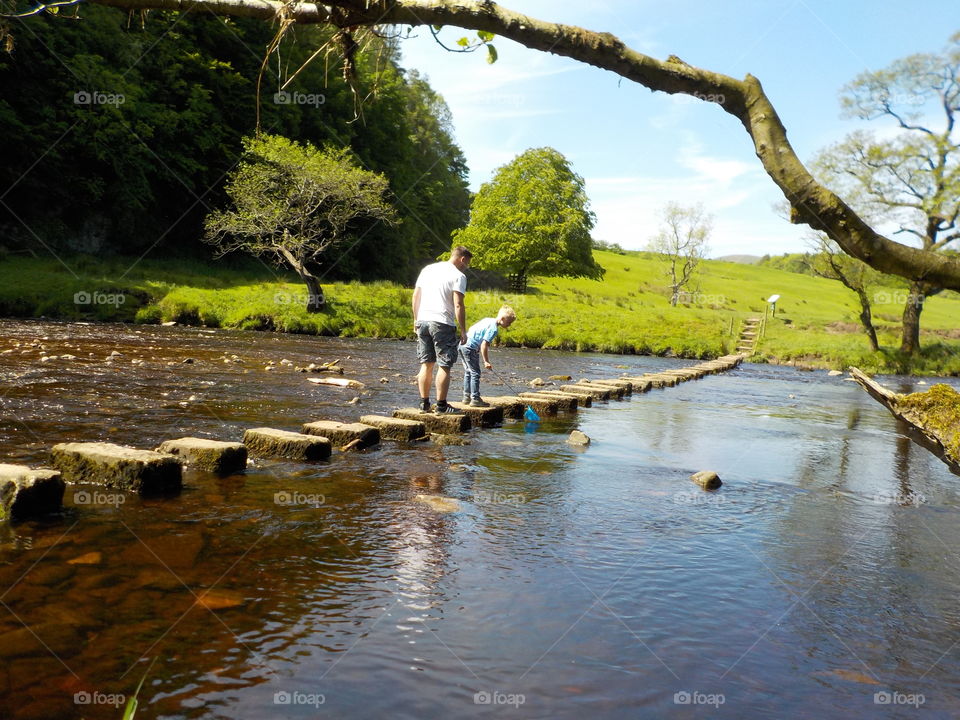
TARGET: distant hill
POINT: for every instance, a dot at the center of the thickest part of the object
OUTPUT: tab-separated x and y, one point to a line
742	259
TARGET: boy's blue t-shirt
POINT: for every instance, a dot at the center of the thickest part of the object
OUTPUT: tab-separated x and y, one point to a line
485	329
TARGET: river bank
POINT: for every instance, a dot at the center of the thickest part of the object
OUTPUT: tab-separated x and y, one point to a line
628	312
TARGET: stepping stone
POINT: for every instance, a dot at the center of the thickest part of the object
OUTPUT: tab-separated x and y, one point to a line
26	492
598	393
624	385
481	417
396	428
640	384
118	466
270	442
615	390
354	436
659	381
512	406
222	458
445	424
541	406
567	403
584	399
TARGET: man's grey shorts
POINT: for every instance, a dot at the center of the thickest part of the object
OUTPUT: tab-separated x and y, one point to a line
437	342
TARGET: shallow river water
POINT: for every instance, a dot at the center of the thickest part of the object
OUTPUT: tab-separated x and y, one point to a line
820	581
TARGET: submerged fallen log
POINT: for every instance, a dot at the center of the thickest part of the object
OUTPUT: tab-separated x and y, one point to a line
934	415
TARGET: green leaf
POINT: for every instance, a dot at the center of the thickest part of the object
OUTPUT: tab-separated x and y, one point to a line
463	42
485	36
491	54
437	28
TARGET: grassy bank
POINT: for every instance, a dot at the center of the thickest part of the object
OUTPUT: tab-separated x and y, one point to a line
627	312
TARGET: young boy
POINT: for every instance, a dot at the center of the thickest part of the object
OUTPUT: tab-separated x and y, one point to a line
479	337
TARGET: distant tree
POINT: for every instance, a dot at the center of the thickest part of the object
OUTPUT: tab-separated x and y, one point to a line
910	179
292	202
830	262
682	242
533	218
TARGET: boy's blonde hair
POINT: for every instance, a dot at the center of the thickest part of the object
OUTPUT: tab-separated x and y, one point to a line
506	312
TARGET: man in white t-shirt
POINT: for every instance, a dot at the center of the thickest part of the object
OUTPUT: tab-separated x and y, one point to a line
438	311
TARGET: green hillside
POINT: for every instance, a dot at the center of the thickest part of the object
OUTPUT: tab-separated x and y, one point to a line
626	312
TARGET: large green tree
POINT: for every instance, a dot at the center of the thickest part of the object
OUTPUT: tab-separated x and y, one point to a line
291	203
532	218
910	179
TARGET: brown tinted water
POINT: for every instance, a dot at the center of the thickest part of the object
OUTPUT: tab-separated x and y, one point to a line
820	581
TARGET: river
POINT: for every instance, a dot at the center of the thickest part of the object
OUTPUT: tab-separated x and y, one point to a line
820	581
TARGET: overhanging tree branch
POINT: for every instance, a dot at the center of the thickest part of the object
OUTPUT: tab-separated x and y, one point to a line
811	203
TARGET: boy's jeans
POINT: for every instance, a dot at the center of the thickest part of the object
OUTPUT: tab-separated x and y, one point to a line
471	372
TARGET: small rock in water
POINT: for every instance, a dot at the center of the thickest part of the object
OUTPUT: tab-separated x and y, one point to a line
707	479
578	438
270	367
187	361
834	373
922	382
355	401
560	377
91	558
537	382
384	380
439	503
170	323
792	396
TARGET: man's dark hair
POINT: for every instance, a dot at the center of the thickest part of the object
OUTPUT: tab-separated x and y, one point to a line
460	251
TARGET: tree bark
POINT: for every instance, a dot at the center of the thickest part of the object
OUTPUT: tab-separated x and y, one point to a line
811	203
316	301
866	319
910	332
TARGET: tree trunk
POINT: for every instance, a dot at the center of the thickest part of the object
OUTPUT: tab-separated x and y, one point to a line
316	301
811	203
866	319
910	338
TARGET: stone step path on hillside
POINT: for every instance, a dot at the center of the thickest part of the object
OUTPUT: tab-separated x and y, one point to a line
30	492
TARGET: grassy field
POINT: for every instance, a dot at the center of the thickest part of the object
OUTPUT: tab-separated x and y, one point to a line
626	312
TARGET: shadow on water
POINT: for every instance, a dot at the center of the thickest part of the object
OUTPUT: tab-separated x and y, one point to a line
565	582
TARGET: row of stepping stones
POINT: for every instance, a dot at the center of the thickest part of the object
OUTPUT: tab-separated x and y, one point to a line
28	492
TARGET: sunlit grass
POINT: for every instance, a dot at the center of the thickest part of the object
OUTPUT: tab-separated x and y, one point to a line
628	311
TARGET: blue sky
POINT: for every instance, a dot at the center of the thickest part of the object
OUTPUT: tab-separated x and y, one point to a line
638	150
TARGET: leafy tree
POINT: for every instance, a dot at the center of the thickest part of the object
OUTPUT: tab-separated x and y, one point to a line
682	241
830	262
292	202
910	179
532	218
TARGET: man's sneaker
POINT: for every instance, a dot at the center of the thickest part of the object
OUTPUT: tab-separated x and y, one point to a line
424	406
443	409
477	402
